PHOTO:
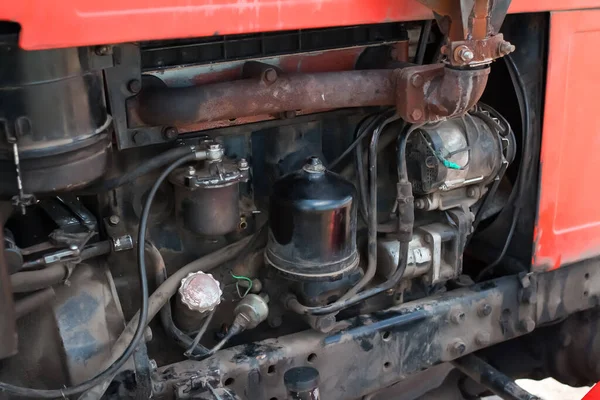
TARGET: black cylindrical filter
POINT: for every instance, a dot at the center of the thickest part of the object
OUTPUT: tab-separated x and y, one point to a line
312	228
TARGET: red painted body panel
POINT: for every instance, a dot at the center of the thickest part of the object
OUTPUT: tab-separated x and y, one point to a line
65	23
568	227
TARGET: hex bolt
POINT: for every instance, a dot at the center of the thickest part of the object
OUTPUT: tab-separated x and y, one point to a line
506	48
457	317
420	204
416	114
134	86
472	192
527	325
484	310
114	220
191	171
270	75
482	338
464	54
417	80
102	50
457	347
170	133
243	164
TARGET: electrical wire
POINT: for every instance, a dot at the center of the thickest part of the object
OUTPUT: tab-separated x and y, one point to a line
111	371
526	158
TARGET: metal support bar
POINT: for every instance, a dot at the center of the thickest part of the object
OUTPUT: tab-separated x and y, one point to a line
399	341
498	383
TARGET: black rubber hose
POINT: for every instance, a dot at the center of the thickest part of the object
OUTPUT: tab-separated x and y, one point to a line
423	39
110	372
142	169
526	157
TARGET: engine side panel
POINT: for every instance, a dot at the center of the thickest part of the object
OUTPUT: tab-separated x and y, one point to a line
568	227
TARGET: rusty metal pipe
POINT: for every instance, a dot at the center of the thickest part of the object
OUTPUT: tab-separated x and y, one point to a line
270	94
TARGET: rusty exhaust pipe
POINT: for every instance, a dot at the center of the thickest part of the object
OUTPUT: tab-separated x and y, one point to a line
269	94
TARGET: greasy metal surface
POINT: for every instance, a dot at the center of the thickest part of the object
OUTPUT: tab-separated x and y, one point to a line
498	383
432	92
57	116
89	22
89	319
402	340
8	328
568	225
248	97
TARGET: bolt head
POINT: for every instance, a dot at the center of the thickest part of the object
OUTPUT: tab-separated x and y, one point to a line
102	50
114	220
420	204
464	54
214	147
458	347
243	164
527	325
457	317
416	114
506	48
140	138
170	133
417	80
472	192
270	75
484	310
134	86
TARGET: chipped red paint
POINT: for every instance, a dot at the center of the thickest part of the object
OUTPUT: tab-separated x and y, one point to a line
568	227
65	23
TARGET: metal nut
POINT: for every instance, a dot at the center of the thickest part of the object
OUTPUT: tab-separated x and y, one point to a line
270	75
527	325
457	317
243	164
416	114
114	220
134	86
464	54
457	347
170	133
484	310
417	80
506	48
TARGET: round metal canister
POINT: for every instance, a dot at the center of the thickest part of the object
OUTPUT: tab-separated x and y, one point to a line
312	224
52	104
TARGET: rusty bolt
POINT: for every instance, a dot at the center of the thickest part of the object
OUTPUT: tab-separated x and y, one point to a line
457	317
464	54
103	50
134	86
527	325
457	347
416	114
114	220
506	48
482	338
270	75
484	310
170	133
417	80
